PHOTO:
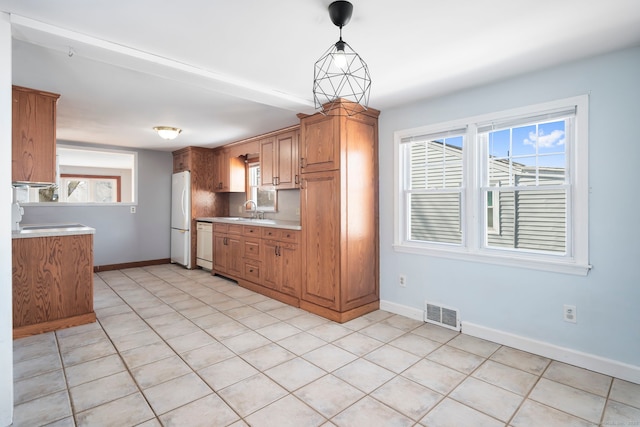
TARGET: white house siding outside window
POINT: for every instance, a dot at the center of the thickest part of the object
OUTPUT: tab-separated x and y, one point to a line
507	188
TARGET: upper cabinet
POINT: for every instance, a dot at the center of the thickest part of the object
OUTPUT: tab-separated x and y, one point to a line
228	172
33	136
182	160
320	144
279	160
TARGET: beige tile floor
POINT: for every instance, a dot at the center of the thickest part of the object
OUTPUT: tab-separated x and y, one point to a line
174	347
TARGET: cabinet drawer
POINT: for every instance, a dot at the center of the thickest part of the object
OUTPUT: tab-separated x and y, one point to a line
269	233
252	271
252	248
220	228
282	235
251	230
235	229
289	236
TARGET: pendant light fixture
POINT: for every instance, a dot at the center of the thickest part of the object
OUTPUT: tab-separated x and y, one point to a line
167	132
341	80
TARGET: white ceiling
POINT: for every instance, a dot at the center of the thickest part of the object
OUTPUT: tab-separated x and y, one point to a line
226	70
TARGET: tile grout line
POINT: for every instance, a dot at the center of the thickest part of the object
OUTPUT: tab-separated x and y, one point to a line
157	416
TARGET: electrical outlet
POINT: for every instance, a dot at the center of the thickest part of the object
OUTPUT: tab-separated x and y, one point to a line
570	314
298	211
402	281
239	209
133	209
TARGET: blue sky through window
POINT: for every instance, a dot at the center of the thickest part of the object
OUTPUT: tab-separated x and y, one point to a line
541	144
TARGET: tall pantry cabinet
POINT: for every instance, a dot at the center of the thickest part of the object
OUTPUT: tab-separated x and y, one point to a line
339	214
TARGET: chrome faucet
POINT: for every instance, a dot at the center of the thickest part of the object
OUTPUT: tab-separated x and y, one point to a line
255	207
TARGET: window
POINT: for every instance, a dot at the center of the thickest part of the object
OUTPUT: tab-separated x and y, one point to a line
508	188
89	176
89	189
265	198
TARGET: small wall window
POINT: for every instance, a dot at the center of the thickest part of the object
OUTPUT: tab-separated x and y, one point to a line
89	188
89	176
265	198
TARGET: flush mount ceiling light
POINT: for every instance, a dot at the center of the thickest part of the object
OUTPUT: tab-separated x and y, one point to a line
340	74
167	132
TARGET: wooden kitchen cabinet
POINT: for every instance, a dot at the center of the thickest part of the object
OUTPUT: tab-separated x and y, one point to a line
281	261
204	202
339	215
227	250
33	135
252	253
228	172
182	160
263	259
52	282
279	161
320	143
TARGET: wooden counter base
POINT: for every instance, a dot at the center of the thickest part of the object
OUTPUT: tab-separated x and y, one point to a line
337	316
52	281
53	325
327	313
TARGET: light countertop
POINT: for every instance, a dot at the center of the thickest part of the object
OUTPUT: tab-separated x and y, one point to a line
274	223
48	230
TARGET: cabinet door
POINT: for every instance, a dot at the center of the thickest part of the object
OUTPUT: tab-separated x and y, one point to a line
33	136
287	160
320	203
228	172
290	269
270	264
181	161
235	263
268	162
219	171
219	253
319	144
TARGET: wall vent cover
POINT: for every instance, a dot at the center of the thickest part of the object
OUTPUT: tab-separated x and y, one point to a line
441	315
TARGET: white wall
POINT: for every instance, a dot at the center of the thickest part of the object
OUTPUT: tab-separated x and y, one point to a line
121	236
524	303
6	333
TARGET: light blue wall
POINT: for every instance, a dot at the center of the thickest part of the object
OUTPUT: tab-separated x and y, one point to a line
526	302
121	236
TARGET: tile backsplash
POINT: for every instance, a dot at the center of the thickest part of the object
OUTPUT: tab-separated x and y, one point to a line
288	205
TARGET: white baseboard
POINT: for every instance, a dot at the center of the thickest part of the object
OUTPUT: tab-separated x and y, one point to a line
403	310
592	362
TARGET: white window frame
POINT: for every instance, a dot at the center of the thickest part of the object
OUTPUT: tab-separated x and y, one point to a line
495	220
576	261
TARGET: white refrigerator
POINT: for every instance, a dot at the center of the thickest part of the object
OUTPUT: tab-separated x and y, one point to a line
181	218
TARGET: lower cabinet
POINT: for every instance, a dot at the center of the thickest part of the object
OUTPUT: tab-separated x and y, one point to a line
263	259
52	282
227	250
281	257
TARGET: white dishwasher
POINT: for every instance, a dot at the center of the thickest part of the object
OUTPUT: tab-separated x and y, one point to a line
204	245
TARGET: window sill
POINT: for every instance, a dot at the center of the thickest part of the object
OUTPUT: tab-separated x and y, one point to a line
567	267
